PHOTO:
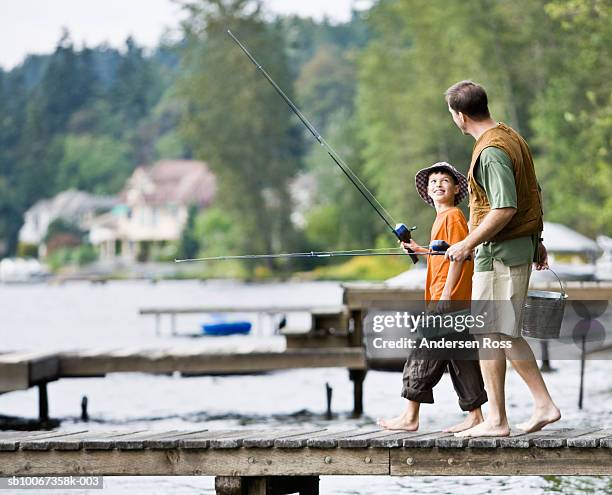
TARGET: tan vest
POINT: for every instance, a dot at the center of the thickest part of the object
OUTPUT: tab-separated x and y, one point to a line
528	217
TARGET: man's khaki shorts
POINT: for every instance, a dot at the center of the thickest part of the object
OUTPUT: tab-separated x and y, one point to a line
503	284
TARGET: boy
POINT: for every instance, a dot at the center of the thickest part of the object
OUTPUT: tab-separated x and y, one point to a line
443	187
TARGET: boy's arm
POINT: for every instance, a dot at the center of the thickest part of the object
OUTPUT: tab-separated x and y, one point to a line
454	272
414	246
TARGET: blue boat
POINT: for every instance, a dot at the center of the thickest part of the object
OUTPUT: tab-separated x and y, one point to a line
227	328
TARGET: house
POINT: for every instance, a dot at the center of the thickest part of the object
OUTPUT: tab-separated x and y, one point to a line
154	208
75	207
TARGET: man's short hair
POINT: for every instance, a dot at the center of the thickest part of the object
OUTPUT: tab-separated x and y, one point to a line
441	170
468	98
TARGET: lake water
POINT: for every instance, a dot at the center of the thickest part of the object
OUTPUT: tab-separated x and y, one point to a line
84	315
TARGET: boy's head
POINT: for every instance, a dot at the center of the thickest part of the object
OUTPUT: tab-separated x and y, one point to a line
441	184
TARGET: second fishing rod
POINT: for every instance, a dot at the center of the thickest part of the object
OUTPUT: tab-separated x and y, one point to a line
400	231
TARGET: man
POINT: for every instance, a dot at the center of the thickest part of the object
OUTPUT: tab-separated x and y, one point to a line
505	226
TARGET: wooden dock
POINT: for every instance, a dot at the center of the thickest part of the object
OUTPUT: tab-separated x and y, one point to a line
257	461
20	370
195	359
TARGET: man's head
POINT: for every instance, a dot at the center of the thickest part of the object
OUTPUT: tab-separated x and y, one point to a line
467	101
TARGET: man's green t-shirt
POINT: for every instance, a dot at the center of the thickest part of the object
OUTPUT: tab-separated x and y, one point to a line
495	174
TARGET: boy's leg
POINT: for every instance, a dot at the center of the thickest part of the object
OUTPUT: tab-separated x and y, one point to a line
545	410
467	381
419	378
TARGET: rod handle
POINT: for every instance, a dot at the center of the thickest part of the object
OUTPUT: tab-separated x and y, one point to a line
403	234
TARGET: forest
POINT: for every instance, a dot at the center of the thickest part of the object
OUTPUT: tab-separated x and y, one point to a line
85	117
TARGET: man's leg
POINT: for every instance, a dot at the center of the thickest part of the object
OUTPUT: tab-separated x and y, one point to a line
420	376
494	376
524	362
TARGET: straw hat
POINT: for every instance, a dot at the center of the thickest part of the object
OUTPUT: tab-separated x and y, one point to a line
420	180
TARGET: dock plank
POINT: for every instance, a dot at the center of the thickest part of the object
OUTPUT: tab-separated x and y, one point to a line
43	442
362	440
559	439
332	438
202	440
520	440
320	451
395	439
105	441
267	439
300	441
590	440
425	441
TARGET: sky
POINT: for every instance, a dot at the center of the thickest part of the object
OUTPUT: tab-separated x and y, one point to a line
35	26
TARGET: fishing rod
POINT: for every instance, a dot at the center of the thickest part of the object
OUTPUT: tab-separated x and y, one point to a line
437	248
400	231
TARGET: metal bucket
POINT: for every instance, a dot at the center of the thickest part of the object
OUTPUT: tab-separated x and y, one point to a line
543	313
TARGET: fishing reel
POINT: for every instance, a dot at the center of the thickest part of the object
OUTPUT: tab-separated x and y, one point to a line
439	246
403	234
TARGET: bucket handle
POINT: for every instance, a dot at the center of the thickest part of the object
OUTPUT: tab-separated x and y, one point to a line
560	282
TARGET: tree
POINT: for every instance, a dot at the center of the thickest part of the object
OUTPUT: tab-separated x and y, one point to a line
189	244
237	123
572	118
98	164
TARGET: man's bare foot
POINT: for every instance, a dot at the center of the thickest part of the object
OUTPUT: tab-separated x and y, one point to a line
540	418
486	429
401	422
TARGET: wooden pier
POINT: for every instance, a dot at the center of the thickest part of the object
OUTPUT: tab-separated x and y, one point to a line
19	371
276	461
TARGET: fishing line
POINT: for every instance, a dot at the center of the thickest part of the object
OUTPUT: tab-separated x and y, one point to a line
400	231
312	254
436	248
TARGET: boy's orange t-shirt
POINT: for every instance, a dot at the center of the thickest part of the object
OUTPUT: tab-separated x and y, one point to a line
449	226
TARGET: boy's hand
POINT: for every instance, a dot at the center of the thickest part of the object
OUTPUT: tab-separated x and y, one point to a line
444	303
411	245
459	251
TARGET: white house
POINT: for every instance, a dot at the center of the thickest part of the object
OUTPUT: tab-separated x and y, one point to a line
73	206
154	207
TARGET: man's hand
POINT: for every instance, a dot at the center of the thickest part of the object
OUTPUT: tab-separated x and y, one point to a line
459	251
542	258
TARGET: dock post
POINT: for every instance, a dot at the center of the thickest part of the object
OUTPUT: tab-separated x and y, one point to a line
266	485
43	402
582	363
546	367
357	376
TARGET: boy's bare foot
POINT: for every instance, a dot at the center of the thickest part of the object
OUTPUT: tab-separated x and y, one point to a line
401	422
474	418
486	429
469	422
540	418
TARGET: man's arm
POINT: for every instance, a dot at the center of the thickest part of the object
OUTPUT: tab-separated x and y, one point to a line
491	224
496	175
